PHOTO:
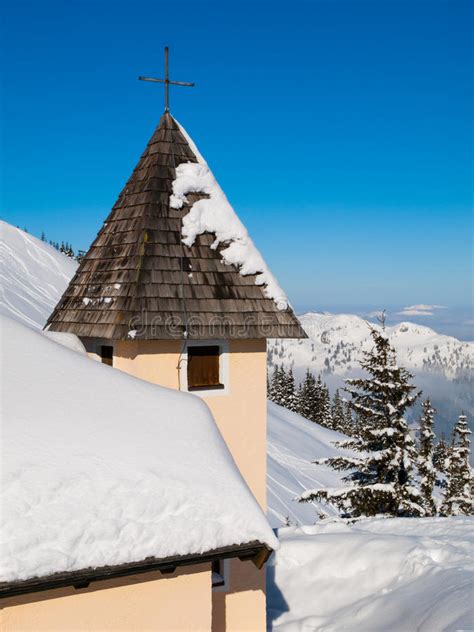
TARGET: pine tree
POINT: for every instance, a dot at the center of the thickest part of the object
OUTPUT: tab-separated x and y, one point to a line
68	251
440	454
323	414
307	403
350	427
458	498
426	467
380	479
43	236
338	413
282	387
274	390
319	397
288	391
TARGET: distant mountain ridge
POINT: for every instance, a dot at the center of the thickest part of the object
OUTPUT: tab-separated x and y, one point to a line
442	365
336	343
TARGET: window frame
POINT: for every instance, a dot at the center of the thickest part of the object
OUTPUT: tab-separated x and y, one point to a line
224	386
103	357
223	584
217	355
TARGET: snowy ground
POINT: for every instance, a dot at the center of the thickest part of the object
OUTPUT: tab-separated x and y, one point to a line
396	575
377	575
392	575
293	444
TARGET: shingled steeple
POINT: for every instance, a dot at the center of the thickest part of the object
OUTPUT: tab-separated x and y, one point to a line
139	280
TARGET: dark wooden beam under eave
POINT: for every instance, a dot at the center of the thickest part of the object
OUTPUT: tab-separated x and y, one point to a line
256	552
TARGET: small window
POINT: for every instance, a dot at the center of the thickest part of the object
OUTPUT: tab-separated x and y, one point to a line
217	569
203	368
107	355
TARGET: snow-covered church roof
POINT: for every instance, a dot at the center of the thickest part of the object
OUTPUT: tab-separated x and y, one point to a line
101	469
173	259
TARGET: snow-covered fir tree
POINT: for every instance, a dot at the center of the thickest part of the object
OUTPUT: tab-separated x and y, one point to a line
69	251
426	468
341	415
307	401
458	496
441	453
323	415
380	480
349	425
288	395
66	249
275	391
339	418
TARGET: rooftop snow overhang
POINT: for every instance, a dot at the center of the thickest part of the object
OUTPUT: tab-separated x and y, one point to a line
256	552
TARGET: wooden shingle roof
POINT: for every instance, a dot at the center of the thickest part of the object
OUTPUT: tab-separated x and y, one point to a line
138	280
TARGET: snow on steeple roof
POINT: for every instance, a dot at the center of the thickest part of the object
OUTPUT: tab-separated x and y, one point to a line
102	469
173	259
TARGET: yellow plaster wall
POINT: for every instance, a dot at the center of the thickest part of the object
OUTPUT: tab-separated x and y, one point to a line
145	603
240	414
242	607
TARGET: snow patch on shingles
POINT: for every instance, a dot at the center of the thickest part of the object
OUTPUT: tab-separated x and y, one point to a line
215	215
100	468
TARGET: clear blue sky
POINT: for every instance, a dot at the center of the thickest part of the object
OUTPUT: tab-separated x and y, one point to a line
340	131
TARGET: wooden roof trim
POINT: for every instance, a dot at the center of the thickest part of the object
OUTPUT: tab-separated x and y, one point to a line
255	551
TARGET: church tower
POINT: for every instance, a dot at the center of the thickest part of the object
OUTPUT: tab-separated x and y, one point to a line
174	291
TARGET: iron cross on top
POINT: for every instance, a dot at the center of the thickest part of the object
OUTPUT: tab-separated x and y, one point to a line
166	81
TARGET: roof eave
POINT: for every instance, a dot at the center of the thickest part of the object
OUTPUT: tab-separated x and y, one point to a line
217	332
256	552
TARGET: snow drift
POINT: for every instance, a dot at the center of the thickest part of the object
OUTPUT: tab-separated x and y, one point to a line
377	575
33	276
100	468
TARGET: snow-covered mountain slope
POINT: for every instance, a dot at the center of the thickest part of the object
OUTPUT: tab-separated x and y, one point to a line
392	575
293	444
33	276
336	341
442	365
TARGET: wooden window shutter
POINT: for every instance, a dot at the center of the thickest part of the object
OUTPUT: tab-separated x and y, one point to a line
203	367
107	355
